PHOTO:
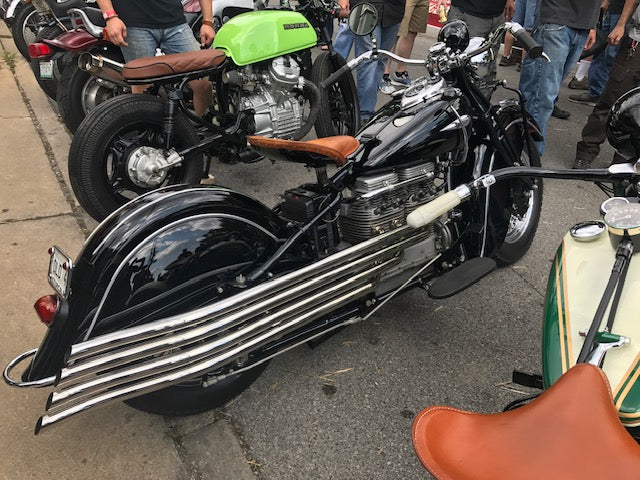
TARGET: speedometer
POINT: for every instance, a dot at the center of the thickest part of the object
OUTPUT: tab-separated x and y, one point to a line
624	221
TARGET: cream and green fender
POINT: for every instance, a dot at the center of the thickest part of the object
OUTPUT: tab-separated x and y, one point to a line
577	281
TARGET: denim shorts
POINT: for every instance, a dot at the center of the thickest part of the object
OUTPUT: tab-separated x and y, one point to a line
525	13
144	41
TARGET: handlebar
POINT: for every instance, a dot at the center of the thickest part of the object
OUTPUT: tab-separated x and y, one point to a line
431	211
529	44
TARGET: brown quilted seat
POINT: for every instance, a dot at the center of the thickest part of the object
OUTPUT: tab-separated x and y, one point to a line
312	152
148	68
570	432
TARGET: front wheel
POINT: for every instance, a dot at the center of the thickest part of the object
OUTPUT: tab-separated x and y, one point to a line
339	112
25	27
525	206
117	153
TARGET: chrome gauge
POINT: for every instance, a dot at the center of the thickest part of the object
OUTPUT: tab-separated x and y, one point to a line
609	203
587	231
623	217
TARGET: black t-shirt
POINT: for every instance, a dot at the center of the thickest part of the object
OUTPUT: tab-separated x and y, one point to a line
615	6
481	8
150	13
581	14
390	11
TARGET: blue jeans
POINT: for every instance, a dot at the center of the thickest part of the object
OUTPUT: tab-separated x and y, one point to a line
525	13
370	73
344	40
144	41
540	81
601	63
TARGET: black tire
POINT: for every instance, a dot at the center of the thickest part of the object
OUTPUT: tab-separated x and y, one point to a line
25	27
104	143
191	398
523	224
339	111
48	85
80	92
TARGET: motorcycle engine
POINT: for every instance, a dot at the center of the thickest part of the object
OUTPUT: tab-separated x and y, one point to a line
272	90
380	203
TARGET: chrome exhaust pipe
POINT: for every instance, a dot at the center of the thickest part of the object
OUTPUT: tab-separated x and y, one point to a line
138	360
103	68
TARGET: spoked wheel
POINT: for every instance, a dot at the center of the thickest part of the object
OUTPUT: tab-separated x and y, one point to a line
117	154
526	204
339	113
25	27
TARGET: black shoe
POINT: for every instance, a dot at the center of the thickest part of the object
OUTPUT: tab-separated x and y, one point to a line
584	98
559	113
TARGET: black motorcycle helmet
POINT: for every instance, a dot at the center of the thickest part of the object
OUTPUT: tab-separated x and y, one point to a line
455	35
623	127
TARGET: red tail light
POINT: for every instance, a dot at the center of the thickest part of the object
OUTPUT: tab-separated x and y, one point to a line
46	308
39	50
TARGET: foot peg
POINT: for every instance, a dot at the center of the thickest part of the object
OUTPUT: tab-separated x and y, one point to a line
461	277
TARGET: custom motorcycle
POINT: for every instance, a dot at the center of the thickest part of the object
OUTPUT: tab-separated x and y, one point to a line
31	17
180	298
134	144
589	353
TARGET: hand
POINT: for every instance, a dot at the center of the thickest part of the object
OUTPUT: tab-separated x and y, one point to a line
344	8
605	5
591	40
116	31
207	34
616	35
509	8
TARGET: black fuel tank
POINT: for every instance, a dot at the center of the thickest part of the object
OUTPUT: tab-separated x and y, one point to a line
411	134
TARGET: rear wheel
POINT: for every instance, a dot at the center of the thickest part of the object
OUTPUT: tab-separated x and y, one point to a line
117	153
339	112
48	85
25	27
79	92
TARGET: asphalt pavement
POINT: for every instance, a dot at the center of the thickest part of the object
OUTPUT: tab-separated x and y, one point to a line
340	411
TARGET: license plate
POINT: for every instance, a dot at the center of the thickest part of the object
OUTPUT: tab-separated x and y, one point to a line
60	266
46	69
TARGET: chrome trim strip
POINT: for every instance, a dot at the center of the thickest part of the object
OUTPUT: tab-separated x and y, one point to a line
44	382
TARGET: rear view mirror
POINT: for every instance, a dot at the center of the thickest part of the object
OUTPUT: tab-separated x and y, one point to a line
363	19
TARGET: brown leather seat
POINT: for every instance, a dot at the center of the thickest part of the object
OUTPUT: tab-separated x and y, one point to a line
571	431
336	148
148	68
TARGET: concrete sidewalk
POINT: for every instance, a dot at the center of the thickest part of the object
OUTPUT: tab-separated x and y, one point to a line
37	210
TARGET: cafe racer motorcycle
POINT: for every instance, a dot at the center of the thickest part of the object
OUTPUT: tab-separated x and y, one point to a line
179	298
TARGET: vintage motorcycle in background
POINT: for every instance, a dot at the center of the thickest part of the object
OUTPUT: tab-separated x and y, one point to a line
135	144
180	298
590	318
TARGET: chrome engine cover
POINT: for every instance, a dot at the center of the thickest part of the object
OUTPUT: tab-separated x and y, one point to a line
381	203
275	97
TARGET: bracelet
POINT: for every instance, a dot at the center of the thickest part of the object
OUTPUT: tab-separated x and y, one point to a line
208	23
109	14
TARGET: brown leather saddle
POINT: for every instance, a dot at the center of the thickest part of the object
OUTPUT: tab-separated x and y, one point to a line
167	68
570	432
316	153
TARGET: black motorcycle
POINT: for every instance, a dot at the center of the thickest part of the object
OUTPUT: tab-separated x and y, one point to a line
179	299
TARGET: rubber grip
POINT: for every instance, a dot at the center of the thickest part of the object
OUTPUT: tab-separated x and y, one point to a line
430	212
331	79
533	48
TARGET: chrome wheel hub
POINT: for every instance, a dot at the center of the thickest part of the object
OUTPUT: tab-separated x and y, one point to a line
147	167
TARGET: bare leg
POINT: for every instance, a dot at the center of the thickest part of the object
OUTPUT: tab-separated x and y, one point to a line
202	95
404	46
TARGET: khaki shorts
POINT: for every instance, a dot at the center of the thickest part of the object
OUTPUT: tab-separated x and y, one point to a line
416	14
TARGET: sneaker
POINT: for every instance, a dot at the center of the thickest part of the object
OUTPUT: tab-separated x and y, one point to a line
576	84
508	61
581	163
559	113
385	86
584	98
401	79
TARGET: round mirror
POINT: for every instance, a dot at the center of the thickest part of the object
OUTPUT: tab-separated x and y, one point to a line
363	19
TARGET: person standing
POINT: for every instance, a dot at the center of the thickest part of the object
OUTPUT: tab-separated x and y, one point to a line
481	16
564	29
602	62
369	74
624	75
139	27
